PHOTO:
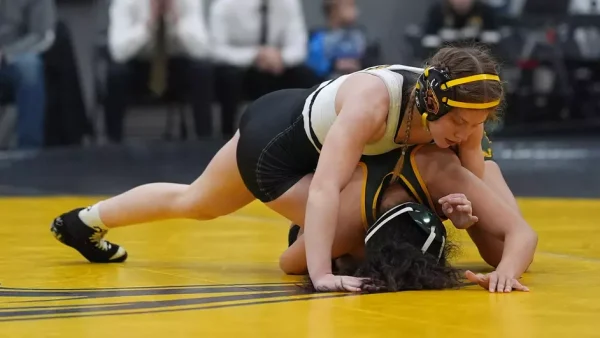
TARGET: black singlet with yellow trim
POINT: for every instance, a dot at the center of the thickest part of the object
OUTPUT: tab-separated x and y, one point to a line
410	78
378	172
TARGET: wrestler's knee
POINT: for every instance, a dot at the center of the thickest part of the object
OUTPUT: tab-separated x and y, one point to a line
193	205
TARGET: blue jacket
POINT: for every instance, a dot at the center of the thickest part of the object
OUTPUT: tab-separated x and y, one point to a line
325	46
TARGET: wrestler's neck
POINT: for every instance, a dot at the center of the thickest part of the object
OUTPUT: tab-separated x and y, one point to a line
419	134
394	195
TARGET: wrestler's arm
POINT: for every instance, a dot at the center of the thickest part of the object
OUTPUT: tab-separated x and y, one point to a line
362	102
444	175
293	260
471	154
350	231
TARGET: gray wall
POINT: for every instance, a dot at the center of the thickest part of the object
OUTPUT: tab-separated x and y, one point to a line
385	20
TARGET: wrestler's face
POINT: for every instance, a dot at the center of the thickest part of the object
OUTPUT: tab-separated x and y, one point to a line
456	126
345	11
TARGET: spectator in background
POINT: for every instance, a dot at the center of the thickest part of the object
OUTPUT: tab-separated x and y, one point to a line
460	21
340	48
584	7
161	45
260	46
26	31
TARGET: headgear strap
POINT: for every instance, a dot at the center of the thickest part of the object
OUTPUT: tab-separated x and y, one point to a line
420	216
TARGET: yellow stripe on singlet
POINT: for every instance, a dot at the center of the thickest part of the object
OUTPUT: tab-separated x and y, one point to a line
374	206
363	195
412	189
413	163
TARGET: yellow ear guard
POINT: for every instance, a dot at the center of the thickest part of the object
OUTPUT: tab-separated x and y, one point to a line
436	96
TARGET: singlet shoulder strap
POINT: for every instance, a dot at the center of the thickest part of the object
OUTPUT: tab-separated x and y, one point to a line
399	81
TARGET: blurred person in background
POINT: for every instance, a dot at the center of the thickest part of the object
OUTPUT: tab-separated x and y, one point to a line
259	47
582	60
459	21
26	31
160	45
584	7
341	47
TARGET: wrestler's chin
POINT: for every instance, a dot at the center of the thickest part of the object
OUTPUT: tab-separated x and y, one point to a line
441	143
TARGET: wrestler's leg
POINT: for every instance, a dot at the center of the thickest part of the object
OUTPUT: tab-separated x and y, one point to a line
349	232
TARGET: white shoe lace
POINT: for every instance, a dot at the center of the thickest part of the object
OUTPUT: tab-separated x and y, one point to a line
98	239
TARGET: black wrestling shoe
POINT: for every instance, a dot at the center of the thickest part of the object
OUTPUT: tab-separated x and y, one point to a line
70	230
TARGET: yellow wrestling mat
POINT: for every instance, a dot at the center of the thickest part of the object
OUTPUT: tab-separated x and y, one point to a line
221	279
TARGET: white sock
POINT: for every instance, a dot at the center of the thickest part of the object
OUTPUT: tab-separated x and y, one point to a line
91	216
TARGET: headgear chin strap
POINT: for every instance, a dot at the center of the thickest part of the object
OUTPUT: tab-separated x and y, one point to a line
436	93
420	216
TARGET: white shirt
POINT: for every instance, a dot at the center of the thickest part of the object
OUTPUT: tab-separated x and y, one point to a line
319	108
235	31
130	35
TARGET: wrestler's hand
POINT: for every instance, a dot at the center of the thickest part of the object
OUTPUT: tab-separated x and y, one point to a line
496	281
338	283
458	209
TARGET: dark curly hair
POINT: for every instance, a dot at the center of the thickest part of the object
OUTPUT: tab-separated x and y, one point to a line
394	260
